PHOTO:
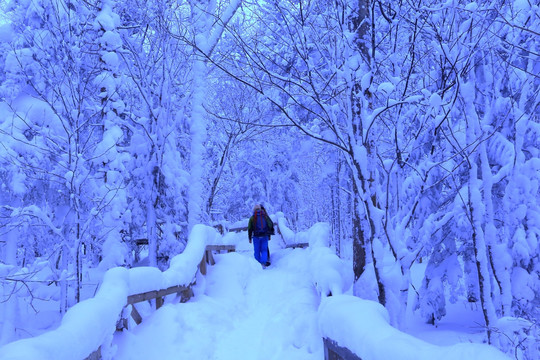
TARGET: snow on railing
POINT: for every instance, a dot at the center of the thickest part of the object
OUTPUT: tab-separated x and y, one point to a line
353	328
362	327
91	324
330	274
289	237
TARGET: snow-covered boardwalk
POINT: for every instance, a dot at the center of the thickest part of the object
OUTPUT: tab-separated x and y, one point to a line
239	311
242	312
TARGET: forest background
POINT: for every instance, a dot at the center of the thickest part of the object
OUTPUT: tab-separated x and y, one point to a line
411	127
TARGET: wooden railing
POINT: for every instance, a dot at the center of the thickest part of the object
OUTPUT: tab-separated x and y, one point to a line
158	296
332	351
208	258
108	299
118	290
184	292
302	245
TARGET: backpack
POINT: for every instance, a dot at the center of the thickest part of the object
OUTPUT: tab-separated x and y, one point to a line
260	227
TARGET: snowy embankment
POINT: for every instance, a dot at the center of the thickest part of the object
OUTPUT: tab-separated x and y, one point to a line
362	327
91	323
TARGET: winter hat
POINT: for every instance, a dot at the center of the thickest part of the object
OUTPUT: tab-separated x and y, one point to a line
256	207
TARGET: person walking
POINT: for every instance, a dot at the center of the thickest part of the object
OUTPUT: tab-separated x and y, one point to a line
272	231
260	227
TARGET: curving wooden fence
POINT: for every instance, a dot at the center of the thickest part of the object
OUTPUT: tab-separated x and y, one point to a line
158	296
96	319
91	323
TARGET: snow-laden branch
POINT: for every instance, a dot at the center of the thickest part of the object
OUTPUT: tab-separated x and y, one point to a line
220	25
35	211
91	323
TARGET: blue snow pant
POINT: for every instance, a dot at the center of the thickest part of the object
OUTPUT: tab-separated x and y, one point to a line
260	246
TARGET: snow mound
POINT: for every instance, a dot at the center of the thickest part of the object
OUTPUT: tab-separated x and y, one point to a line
362	326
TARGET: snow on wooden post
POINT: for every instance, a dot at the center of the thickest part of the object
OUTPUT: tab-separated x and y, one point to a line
332	351
96	355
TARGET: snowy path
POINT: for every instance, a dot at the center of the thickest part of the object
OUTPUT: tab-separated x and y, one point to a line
245	313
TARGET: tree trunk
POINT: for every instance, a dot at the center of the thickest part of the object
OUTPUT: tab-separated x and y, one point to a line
479	242
217	175
9	306
360	25
198	137
339	227
363	229
63	270
359	243
151	227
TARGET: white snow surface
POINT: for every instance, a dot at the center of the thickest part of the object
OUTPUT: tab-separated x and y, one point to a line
239	311
362	327
84	327
245	312
90	323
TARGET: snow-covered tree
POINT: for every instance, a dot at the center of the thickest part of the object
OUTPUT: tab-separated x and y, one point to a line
414	99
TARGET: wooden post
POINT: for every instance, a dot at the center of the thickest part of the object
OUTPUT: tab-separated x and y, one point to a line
159	302
121	324
210	257
186	294
202	265
96	355
135	315
332	351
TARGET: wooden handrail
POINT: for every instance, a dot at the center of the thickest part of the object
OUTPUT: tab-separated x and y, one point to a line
238	229
302	245
111	300
154	294
208	257
332	351
228	248
185	292
245	228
